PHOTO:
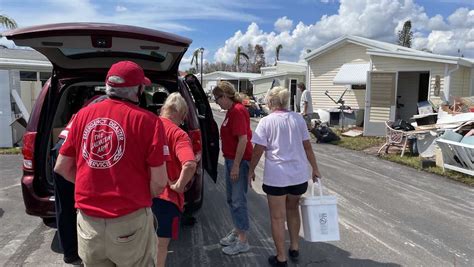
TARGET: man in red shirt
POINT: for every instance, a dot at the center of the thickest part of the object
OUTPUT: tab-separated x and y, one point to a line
181	168
114	153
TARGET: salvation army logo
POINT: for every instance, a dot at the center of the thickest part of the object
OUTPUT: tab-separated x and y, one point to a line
103	143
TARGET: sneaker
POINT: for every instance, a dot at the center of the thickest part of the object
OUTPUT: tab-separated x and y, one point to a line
229	239
74	260
236	248
273	261
294	254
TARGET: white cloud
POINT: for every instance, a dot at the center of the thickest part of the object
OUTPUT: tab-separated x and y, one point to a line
283	24
120	9
379	20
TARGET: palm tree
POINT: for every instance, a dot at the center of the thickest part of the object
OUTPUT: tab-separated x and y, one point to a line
238	54
278	48
7	22
195	58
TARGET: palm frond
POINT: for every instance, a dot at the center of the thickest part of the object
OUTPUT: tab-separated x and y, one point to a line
7	22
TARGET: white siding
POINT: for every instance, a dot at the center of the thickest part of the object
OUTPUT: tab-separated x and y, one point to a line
324	68
399	64
261	87
460	82
29	92
282	67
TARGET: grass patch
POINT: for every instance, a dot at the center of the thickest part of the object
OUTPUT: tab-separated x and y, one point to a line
358	143
10	151
361	143
415	162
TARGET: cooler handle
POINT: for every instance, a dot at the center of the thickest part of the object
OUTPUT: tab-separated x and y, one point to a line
320	185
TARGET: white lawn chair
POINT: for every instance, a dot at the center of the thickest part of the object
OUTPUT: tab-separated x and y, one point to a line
394	137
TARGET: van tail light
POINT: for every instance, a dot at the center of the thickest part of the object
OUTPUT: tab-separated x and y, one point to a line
28	150
195	136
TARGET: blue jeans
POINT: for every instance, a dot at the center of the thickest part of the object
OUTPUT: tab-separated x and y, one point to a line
237	194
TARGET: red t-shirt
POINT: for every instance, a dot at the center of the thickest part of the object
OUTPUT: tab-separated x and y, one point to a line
236	123
114	143
181	151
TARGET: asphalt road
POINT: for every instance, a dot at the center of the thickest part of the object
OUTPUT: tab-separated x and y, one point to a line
389	215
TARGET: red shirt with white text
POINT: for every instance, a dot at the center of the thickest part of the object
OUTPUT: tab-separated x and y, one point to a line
114	143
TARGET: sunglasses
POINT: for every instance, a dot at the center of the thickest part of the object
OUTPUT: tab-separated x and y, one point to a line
217	97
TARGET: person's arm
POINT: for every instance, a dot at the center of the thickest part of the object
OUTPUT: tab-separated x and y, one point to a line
308	149
159	179
66	167
234	173
304	98
256	155
187	171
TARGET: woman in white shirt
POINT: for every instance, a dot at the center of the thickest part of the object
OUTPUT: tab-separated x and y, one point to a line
284	138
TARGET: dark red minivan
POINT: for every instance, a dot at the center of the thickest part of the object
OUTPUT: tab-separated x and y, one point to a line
81	54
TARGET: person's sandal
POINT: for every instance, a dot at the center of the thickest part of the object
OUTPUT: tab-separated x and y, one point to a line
273	261
294	254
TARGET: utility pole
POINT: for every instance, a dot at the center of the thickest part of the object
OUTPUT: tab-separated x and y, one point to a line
202	52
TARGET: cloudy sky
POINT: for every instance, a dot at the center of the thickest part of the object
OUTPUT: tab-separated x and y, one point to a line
443	26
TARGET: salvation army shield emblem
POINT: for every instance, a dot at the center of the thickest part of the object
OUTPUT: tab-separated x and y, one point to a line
101	143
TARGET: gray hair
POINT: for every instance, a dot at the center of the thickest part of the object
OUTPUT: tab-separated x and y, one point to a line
278	98
129	93
175	103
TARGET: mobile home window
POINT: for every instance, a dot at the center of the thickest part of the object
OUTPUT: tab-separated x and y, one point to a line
44	76
358	86
28	76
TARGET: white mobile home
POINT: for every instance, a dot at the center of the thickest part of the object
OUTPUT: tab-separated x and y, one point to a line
384	81
288	75
240	80
22	74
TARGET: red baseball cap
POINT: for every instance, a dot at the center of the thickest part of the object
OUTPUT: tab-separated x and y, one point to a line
126	74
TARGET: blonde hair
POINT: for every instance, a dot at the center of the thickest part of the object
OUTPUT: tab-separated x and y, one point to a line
175	103
278	98
225	88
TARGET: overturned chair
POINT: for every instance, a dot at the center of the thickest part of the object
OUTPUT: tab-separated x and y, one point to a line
394	137
457	156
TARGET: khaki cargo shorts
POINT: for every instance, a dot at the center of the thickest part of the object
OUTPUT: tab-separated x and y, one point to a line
129	240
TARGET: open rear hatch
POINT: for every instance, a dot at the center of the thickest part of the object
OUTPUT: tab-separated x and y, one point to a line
75	46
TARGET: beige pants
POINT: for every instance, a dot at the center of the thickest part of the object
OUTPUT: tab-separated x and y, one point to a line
129	240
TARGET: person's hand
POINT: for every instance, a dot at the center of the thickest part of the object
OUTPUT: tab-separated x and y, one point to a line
251	177
316	175
175	186
234	173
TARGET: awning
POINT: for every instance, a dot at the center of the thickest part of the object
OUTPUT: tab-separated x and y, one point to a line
352	73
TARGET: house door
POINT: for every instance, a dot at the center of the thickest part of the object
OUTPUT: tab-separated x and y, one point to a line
379	102
293	84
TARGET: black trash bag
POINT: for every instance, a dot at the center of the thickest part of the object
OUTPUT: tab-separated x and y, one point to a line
324	134
402	125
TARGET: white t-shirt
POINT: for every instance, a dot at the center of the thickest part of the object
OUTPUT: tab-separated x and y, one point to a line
306	97
283	133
